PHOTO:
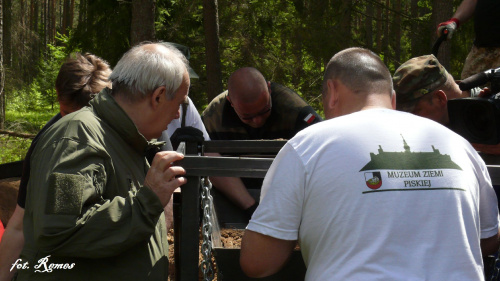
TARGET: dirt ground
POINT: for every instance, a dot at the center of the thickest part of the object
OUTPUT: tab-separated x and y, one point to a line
8	198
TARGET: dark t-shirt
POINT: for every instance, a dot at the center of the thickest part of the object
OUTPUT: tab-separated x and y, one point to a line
486	23
25	176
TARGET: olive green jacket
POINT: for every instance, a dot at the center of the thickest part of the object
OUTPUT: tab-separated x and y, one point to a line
87	213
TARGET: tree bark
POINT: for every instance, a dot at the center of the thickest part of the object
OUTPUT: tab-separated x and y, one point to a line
397	32
385	41
369	25
441	11
211	24
52	22
379	34
2	72
65	17
143	21
7	33
345	24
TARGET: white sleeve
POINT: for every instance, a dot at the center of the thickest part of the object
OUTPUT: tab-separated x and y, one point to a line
193	119
280	210
488	205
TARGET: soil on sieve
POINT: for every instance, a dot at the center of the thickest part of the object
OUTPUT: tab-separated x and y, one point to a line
230	238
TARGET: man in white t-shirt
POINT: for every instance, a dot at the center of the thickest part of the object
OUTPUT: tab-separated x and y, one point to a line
374	193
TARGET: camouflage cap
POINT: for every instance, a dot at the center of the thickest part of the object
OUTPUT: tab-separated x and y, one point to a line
417	77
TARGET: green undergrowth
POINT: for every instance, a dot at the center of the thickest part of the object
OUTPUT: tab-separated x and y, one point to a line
15	148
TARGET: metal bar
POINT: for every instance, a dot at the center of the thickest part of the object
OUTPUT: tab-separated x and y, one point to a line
494	171
225	166
11	170
244	146
190	218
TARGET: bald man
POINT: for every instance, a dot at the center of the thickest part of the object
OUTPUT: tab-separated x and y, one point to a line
253	109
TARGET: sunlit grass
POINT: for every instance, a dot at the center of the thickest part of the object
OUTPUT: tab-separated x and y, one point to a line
15	148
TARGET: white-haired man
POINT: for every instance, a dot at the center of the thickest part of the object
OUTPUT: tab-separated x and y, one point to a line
373	193
94	208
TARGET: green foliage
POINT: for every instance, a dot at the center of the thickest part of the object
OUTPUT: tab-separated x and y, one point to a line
106	31
289	41
40	93
15	148
12	148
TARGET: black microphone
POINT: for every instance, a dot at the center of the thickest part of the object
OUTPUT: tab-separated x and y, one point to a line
478	79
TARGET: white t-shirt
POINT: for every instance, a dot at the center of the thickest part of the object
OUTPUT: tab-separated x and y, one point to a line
193	119
380	195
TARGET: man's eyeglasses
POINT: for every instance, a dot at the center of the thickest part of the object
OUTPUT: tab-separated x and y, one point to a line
266	110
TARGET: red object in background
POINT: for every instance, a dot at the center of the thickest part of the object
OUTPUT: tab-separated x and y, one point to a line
1	230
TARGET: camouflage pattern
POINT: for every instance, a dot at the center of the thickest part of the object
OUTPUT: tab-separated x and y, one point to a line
289	114
481	59
418	77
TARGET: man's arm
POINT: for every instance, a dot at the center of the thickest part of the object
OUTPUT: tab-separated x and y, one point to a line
493	149
465	11
263	255
12	244
489	246
233	188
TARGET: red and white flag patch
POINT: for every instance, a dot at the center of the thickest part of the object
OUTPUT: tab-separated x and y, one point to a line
309	118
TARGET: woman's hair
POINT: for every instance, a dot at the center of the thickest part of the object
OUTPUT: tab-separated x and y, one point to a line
80	78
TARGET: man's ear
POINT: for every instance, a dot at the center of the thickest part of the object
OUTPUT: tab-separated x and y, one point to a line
229	100
158	97
393	99
440	98
332	93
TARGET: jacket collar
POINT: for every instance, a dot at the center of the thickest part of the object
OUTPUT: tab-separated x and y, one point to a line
106	107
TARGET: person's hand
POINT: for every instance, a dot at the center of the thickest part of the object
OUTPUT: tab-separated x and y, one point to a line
162	176
485	92
451	25
493	149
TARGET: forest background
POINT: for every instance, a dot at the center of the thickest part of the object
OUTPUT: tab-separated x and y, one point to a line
289	41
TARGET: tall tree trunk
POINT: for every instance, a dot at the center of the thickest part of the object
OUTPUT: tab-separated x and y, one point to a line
82	14
7	33
379	28
414	38
65	17
52	21
45	23
143	21
441	11
345	24
211	24
67	22
369	25
71	14
397	32
385	41
2	72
